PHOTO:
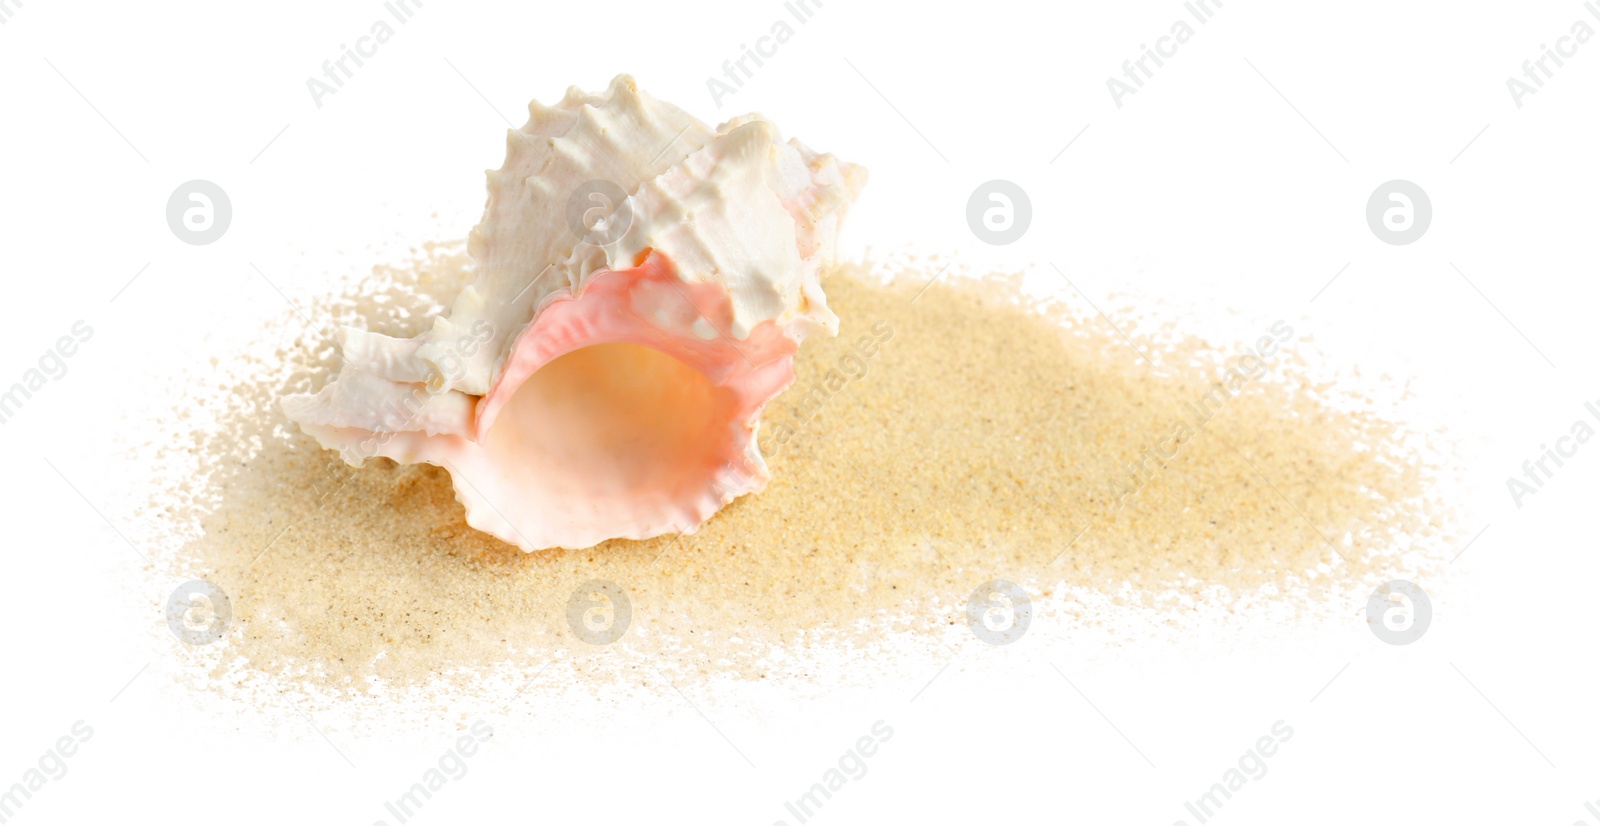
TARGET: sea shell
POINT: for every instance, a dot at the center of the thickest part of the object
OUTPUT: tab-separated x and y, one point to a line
641	285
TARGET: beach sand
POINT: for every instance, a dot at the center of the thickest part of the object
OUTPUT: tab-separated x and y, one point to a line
951	434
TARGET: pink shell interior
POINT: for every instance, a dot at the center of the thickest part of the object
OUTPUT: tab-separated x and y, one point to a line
631	404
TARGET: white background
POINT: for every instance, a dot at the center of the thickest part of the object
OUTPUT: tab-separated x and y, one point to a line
1236	178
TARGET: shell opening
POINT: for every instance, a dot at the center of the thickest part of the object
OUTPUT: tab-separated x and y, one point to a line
615	424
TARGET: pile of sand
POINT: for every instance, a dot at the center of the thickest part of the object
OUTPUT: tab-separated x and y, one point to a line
950	435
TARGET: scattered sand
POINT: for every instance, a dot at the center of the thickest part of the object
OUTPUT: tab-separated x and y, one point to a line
980	438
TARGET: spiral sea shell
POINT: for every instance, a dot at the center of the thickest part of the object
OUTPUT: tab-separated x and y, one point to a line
641	285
